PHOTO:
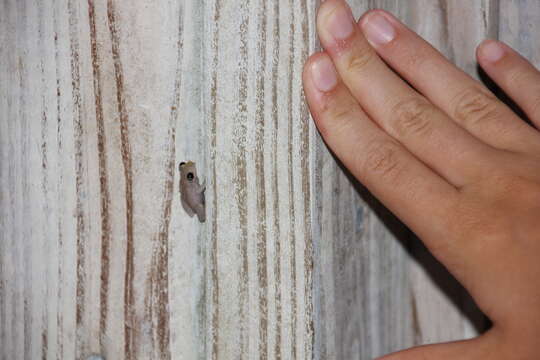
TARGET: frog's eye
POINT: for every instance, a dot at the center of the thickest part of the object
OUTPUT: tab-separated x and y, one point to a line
181	164
190	176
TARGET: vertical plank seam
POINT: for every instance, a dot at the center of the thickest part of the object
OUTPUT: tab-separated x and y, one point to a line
4	45
443	6
490	17
3	198
292	235
4	49
495	28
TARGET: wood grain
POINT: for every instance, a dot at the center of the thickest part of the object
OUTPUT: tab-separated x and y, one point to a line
518	26
379	290
99	102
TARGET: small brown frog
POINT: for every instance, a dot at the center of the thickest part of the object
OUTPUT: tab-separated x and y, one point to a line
191	191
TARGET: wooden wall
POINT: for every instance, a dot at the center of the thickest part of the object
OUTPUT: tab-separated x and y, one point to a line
99	102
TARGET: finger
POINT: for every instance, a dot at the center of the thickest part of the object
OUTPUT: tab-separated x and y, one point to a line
514	74
403	183
462	98
484	347
407	116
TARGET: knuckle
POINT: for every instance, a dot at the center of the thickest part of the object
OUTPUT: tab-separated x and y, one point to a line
474	107
337	118
381	158
360	59
342	114
413	117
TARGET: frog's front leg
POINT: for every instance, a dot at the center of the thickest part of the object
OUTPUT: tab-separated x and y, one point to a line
202	187
187	207
201	212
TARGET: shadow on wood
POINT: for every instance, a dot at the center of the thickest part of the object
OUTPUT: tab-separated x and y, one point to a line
440	276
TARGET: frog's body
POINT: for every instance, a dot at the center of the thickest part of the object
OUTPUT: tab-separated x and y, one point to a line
191	191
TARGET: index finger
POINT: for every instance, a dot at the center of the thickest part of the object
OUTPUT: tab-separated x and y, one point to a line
395	176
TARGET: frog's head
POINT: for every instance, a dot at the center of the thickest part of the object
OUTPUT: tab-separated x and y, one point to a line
188	170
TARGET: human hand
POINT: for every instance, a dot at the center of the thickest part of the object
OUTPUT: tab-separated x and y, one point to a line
449	159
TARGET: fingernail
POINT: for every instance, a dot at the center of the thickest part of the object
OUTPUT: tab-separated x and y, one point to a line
324	74
492	51
341	22
377	29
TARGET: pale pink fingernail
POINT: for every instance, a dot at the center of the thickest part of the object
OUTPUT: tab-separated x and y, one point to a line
341	22
492	51
324	74
377	29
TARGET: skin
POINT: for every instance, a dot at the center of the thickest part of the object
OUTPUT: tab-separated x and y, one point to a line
448	149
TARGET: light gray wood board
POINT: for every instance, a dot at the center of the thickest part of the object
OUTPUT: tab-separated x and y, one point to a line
101	100
259	142
88	153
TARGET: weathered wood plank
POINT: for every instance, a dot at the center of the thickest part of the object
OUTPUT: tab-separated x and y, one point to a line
260	237
99	102
96	238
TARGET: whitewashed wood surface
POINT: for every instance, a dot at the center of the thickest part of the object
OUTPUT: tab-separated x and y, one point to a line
99	102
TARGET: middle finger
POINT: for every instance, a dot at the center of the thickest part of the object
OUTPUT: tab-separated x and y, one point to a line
406	115
467	101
